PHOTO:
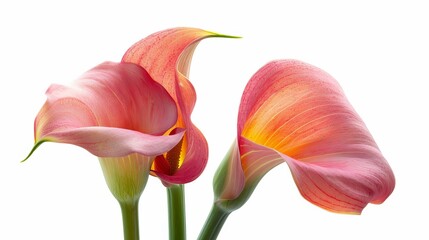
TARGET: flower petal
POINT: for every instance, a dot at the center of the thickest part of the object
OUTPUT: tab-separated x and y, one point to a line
112	110
167	55
301	112
193	159
115	142
344	184
119	95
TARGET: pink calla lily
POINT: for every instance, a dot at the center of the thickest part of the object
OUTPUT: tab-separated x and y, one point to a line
113	110
167	55
296	113
118	113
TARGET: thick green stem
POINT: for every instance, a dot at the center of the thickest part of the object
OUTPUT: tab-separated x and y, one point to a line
214	223
176	212
130	220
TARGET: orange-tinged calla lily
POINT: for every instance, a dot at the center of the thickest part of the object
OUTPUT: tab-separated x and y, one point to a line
116	112
167	55
296	113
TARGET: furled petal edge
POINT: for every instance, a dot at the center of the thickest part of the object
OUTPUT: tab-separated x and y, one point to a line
334	189
113	142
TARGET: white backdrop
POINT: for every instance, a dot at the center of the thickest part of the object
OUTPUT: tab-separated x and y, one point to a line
377	50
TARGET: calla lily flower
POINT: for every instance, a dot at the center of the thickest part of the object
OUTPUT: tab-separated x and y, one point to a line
296	113
116	112
167	55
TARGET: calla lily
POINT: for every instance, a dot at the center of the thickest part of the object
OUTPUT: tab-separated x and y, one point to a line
296	113
113	110
167	55
118	113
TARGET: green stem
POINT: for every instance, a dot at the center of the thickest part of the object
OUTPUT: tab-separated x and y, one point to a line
214	223
130	220
176	212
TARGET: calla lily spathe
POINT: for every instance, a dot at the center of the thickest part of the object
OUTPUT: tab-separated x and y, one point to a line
167	55
296	113
112	110
116	112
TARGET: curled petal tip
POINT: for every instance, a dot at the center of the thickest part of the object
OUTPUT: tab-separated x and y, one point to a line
36	145
215	34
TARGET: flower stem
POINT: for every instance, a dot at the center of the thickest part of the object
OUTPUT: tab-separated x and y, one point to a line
214	223
176	212
130	220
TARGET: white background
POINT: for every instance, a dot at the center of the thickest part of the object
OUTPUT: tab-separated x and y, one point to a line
377	50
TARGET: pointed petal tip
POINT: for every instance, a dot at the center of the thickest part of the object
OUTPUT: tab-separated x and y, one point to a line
220	35
36	145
